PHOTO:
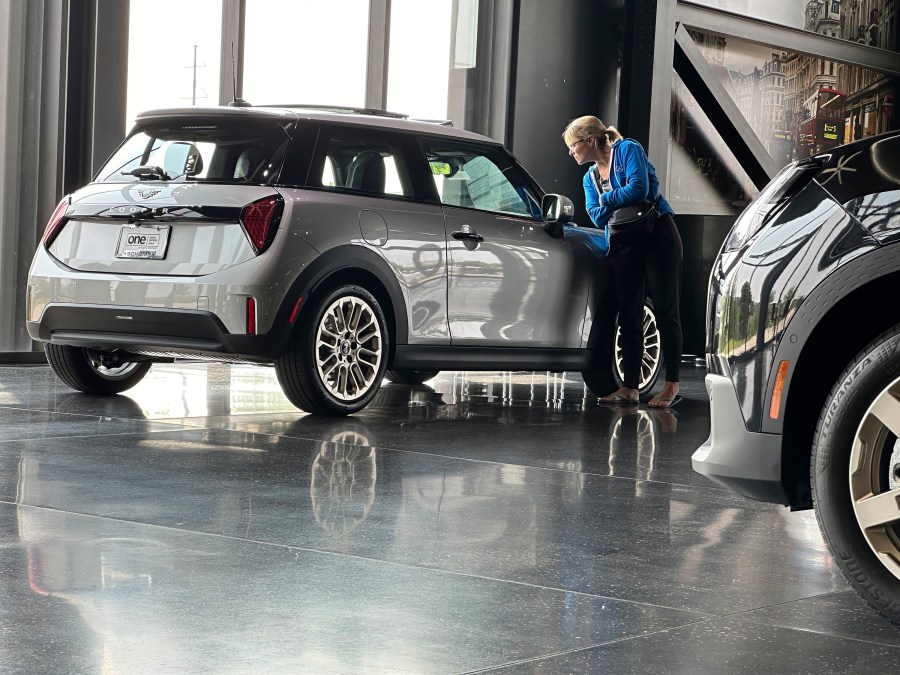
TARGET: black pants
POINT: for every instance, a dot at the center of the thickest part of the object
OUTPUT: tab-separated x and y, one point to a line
628	262
664	269
655	265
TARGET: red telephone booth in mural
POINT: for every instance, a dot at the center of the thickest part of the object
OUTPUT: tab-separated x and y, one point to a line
822	122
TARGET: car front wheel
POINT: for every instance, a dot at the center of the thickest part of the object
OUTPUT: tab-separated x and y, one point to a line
84	370
855	474
336	367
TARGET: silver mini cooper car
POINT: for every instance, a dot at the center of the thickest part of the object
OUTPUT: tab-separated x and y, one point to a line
342	246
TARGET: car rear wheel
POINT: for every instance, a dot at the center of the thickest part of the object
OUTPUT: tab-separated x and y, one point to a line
410	376
855	474
337	367
84	370
604	380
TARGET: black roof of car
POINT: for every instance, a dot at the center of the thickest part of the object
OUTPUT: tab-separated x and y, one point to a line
338	114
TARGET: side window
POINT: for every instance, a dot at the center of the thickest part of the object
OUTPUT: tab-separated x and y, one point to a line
366	165
480	178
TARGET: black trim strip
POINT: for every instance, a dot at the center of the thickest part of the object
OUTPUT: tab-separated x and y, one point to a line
428	357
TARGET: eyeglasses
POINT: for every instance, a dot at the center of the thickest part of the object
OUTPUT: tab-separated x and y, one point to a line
575	143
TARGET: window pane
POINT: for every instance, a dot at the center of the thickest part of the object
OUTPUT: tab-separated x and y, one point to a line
367	165
703	176
419	59
173	63
306	51
468	178
799	105
868	22
227	151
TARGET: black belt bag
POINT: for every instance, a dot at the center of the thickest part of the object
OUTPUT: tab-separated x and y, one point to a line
630	224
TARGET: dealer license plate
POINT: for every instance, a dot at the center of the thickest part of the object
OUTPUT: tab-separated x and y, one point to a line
148	243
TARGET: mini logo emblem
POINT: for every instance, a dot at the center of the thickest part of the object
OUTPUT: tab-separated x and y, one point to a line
146	194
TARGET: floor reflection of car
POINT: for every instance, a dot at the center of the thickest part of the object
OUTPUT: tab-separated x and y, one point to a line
340	246
803	354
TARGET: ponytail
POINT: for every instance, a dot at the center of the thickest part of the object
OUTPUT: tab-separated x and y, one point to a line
612	134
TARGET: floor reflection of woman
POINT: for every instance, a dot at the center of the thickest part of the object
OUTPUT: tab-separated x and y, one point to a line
621	176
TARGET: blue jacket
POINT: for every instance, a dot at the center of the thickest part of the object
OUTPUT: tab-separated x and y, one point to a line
633	181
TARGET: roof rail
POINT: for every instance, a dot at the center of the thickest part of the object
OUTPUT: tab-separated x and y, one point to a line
443	123
351	110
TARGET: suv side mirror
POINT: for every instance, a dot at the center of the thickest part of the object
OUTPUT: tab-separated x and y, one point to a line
556	210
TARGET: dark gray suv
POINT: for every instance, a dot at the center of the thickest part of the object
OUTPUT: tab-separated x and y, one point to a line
340	246
803	354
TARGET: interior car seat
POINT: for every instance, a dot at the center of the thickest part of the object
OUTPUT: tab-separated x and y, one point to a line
366	172
182	159
247	163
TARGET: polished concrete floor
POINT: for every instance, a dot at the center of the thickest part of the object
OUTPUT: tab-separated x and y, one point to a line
485	522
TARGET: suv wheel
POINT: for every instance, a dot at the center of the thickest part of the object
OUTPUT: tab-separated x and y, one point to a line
604	380
83	370
410	376
855	473
337	367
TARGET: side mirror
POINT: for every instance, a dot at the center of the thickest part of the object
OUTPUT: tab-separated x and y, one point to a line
557	210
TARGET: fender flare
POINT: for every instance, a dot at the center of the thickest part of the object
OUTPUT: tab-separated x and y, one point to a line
347	258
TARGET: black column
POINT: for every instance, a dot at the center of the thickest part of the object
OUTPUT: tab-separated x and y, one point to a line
566	65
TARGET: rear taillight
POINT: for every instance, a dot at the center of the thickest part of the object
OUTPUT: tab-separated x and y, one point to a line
57	220
260	220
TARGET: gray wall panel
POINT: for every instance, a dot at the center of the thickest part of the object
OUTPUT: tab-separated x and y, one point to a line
566	66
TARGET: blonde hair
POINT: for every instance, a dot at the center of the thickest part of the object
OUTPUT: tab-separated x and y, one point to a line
589	125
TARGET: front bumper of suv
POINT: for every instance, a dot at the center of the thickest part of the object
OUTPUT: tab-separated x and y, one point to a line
746	462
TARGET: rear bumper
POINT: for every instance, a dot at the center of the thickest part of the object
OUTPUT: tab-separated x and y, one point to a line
152	331
746	462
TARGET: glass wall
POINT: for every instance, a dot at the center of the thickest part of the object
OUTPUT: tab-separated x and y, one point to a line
306	52
798	106
867	22
419	60
173	62
704	177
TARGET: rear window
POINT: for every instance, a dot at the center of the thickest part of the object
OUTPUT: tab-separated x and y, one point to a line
216	151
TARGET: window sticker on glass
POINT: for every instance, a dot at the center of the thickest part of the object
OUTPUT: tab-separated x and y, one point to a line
440	168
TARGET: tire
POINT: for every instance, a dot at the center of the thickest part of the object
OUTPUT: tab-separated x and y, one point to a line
82	370
328	370
858	512
410	376
604	380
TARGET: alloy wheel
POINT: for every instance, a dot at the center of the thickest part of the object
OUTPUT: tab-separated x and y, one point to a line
650	361
348	348
113	373
875	477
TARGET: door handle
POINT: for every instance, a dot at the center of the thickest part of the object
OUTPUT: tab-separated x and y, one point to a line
465	234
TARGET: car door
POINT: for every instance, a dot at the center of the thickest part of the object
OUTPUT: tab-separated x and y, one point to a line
373	192
510	283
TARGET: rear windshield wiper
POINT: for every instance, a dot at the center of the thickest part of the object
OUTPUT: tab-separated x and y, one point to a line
148	172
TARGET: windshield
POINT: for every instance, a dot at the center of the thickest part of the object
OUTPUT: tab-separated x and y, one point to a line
189	150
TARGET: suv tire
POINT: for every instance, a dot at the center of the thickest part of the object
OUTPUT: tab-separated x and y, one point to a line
410	376
82	371
858	428
337	368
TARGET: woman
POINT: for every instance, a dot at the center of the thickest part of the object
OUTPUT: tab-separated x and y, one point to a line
620	176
